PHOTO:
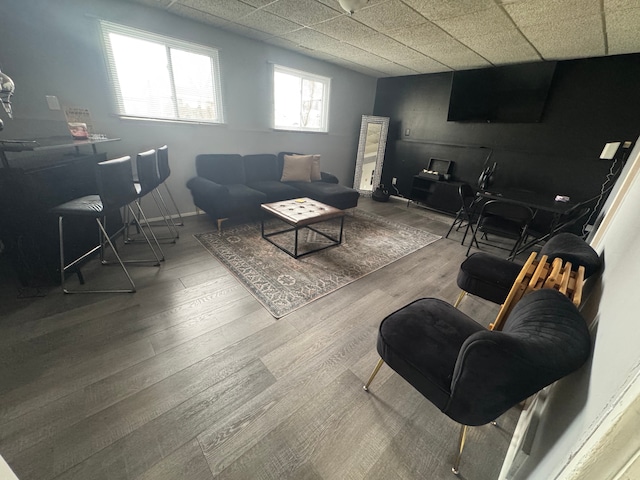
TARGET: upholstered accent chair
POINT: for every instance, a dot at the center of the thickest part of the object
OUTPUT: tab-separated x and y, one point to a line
474	375
490	277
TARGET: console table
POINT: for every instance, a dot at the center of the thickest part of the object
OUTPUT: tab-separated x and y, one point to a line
437	194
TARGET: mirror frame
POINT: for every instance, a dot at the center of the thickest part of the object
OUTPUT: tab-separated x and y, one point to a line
382	144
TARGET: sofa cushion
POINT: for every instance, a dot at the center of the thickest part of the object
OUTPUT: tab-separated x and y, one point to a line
275	191
224	168
244	198
332	194
297	168
261	167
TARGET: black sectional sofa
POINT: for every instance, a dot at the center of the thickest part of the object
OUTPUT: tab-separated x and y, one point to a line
231	185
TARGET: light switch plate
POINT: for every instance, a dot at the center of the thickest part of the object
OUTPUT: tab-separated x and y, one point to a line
53	102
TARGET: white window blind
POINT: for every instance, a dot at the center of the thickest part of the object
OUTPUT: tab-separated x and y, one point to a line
300	100
162	78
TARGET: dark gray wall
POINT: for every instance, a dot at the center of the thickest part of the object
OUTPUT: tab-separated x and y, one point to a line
591	102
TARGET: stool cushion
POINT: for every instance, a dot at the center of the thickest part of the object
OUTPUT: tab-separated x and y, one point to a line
421	342
487	276
90	206
572	248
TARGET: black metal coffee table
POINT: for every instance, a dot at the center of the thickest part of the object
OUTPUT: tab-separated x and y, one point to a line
301	213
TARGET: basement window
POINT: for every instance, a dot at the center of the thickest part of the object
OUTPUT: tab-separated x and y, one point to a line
300	100
162	78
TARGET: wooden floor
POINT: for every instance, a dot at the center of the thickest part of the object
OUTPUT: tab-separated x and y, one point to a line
191	378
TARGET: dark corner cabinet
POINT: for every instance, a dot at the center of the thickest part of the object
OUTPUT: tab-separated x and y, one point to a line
28	231
441	195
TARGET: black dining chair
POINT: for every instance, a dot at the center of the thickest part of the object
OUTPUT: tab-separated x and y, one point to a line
116	190
465	215
474	375
502	219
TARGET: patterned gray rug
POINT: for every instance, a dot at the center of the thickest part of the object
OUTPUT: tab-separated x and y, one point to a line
283	284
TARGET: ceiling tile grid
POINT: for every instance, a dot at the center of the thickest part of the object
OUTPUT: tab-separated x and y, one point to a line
405	37
578	38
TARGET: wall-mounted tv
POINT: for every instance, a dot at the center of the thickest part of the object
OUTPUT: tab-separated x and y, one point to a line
507	94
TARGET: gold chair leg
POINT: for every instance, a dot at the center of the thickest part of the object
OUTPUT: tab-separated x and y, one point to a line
220	220
373	374
459	299
463	436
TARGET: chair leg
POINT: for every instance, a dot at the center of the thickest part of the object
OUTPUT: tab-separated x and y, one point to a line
174	205
463	436
456	221
103	235
166	214
373	374
459	299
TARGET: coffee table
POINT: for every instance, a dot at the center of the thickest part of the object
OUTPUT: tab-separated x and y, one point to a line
301	213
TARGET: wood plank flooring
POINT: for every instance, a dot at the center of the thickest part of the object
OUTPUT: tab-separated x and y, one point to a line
191	378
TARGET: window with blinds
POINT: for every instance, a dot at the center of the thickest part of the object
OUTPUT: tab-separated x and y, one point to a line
300	100
162	78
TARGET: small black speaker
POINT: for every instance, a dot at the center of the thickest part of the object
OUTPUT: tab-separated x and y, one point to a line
380	194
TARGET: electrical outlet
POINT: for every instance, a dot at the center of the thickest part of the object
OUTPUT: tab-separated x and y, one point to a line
394	180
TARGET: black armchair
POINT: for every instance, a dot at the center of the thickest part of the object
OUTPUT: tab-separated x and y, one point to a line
490	277
474	375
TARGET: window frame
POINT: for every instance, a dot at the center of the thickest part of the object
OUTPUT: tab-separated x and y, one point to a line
168	43
304	75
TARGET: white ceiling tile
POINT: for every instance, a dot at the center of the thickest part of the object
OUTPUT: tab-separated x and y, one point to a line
613	5
314	40
623	34
281	42
258	3
357	67
246	31
440	9
304	12
227	9
423	64
344	28
197	15
420	36
548	12
402	35
269	23
508	46
482	22
389	68
156	3
389	16
454	55
577	38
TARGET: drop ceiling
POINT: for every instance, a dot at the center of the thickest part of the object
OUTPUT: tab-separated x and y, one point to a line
389	38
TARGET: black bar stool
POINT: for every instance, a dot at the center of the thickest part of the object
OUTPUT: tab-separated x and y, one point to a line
146	184
165	171
116	190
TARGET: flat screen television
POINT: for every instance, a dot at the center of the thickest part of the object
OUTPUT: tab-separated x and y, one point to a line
507	94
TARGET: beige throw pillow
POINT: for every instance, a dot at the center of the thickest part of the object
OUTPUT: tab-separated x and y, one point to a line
315	169
297	168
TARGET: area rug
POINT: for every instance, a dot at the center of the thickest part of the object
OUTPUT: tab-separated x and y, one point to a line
283	284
